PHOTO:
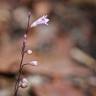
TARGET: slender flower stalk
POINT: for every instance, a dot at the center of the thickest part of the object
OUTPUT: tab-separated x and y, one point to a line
23	83
21	62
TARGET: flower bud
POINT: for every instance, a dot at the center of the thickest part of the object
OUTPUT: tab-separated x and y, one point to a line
25	35
34	63
23	83
29	52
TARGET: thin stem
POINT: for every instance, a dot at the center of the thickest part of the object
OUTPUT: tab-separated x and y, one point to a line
19	73
22	58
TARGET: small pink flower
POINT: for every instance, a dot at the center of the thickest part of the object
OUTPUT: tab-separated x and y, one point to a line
41	20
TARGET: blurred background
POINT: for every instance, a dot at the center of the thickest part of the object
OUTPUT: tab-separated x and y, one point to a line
65	49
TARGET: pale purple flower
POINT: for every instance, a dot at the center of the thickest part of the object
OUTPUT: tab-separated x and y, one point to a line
41	20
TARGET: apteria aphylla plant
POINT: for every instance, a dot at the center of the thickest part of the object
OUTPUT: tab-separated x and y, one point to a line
22	82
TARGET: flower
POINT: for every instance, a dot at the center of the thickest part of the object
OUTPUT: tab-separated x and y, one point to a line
34	63
41	20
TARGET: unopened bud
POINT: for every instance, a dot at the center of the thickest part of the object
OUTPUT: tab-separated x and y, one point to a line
25	35
23	83
34	63
29	52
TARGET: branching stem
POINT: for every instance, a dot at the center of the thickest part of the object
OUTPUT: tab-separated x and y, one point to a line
22	58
